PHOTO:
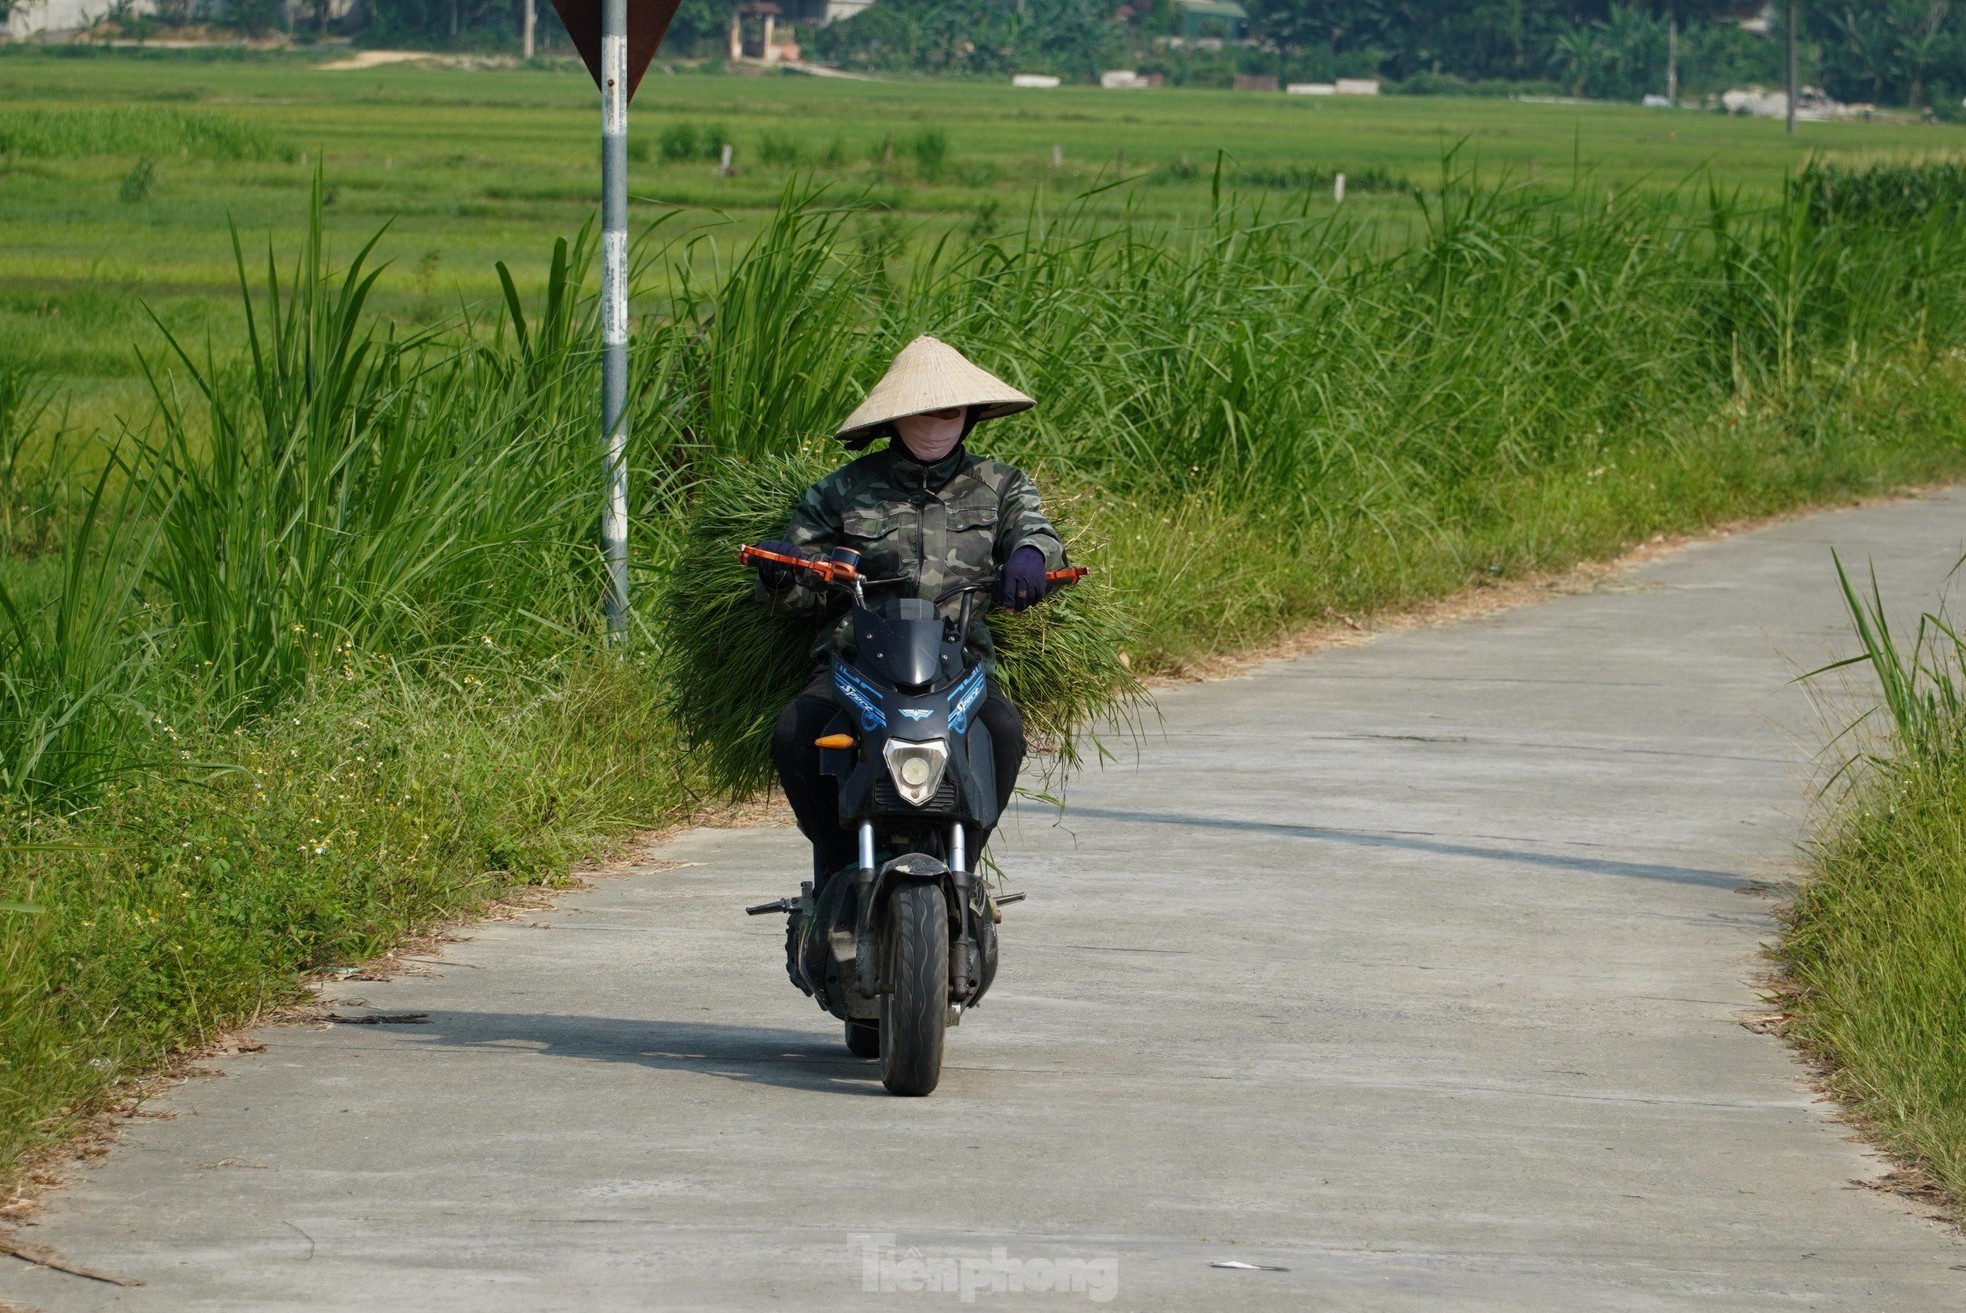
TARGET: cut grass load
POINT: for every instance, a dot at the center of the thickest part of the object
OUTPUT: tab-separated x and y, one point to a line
734	666
341	672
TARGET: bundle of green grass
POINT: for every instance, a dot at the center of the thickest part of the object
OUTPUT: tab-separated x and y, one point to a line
735	665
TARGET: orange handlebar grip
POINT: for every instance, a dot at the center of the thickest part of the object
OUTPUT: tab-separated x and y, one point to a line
826	570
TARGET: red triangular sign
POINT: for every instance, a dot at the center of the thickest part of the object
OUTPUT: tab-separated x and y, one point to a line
647	21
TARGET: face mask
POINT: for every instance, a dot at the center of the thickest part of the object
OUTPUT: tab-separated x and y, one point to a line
927	438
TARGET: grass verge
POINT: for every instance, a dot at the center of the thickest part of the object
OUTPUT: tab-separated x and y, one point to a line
1874	950
179	905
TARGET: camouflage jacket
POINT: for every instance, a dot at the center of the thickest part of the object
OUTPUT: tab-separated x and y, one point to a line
931	526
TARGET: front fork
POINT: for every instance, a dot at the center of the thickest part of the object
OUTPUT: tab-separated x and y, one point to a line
865	959
965	959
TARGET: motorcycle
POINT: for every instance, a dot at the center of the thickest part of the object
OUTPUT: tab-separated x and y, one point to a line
901	944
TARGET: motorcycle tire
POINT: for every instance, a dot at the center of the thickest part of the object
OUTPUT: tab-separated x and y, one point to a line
863	1039
793	924
915	1012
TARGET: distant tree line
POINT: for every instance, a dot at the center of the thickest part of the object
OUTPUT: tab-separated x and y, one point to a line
1903	52
1899	52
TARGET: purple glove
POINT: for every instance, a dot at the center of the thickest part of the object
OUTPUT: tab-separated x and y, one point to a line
775	577
1022	581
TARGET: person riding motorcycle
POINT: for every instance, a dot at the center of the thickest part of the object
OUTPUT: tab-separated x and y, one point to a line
926	515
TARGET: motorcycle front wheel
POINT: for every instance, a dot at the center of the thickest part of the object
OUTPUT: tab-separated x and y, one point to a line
915	1013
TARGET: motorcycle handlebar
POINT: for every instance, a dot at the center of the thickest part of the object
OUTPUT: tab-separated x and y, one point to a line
1056	578
828	571
841	572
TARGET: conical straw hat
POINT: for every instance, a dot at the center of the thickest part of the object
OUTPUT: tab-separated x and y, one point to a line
930	375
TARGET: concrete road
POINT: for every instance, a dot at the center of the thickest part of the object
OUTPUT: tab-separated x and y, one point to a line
1414	969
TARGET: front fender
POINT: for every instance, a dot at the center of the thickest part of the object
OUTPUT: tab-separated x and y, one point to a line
909	868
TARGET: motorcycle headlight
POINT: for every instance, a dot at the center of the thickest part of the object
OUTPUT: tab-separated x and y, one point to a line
916	768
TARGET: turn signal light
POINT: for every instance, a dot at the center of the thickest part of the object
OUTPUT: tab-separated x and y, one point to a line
835	741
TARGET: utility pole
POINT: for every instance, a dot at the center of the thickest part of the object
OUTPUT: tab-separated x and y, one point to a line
1672	58
614	304
1788	24
531	23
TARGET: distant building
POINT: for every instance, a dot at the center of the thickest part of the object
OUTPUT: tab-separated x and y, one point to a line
1759	19
1810	103
765	31
1219	19
29	18
56	18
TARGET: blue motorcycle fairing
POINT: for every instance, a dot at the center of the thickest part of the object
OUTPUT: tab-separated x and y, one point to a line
863	696
964	699
895	715
904	701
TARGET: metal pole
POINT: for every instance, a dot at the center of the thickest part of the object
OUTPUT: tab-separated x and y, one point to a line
532	22
614	303
1789	25
1672	60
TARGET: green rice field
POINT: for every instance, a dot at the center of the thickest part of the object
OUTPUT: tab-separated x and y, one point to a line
121	171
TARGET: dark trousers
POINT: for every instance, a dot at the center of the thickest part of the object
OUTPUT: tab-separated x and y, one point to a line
815	798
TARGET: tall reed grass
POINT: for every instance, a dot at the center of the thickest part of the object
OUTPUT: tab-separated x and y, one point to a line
349	490
1874	957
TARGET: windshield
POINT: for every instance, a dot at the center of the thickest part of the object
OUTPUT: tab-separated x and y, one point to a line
902	642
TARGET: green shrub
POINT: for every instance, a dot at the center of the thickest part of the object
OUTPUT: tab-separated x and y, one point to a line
778	148
684	140
1891	194
679	142
137	183
929	148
